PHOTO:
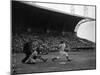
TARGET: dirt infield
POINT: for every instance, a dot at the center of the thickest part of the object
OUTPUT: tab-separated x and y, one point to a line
83	60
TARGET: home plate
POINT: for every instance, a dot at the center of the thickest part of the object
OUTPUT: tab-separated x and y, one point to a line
62	63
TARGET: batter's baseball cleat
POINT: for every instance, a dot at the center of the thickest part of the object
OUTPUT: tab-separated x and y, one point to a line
69	60
45	60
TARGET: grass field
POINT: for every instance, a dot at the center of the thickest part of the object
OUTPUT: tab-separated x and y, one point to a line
81	60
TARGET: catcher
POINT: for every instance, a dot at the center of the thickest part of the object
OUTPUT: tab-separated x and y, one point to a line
32	53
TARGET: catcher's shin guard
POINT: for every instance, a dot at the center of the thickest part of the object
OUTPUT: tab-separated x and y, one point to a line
68	58
44	60
53	59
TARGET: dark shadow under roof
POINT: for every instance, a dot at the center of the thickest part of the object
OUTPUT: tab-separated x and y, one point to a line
26	16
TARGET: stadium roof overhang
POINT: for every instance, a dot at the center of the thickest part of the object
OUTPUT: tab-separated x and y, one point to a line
25	16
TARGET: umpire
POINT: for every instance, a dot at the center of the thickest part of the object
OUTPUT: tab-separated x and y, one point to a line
27	51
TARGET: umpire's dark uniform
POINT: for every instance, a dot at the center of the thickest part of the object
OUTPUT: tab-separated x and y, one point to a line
27	51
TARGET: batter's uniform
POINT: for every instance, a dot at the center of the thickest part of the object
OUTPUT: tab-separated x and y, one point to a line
62	53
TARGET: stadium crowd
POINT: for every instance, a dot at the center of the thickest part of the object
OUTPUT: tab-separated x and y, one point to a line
46	42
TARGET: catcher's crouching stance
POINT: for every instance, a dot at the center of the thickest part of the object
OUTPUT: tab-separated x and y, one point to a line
31	56
62	53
